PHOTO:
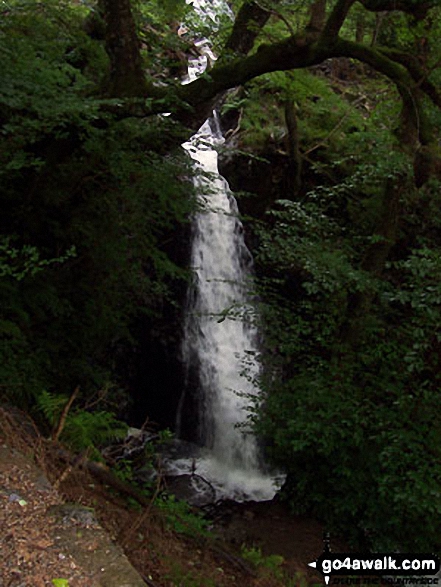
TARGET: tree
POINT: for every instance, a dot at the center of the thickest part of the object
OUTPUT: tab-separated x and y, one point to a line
352	287
91	209
321	38
351	357
244	58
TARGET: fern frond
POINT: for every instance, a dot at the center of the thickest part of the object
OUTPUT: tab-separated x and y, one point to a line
92	429
51	405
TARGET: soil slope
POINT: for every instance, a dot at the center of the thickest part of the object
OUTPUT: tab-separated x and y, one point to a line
44	538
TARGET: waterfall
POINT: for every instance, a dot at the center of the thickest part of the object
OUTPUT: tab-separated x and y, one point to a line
218	335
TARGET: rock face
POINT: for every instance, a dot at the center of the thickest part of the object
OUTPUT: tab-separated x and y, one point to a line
155	372
263	175
44	539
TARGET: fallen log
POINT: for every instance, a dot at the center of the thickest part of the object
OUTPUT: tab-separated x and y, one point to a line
106	477
103	474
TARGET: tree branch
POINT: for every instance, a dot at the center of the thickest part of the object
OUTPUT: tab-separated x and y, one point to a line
417	9
188	103
323	141
335	20
63	416
416	71
191	104
292	53
396	72
249	21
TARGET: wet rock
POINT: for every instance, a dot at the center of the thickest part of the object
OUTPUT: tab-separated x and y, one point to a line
193	489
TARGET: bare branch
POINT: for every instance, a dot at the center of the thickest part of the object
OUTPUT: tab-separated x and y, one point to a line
285	21
323	141
63	417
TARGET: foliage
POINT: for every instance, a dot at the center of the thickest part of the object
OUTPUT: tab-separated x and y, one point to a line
177	514
347	418
18	264
350	423
180	517
271	563
322	113
95	206
270	568
87	209
185	578
83	430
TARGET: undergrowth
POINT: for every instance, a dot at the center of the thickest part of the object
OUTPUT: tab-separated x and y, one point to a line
271	570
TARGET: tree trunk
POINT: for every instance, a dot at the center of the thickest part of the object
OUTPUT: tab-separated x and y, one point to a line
251	18
317	16
360	28
374	260
122	45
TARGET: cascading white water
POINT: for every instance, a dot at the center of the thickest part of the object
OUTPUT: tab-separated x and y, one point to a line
219	259
218	338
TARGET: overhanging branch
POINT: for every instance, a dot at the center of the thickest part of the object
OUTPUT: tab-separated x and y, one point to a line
292	53
418	10
396	72
192	103
419	76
